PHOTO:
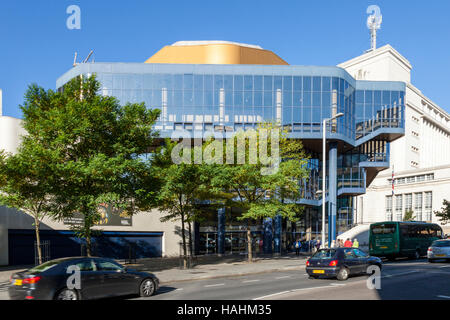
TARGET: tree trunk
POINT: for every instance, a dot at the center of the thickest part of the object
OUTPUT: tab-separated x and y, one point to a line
190	238
249	244
38	239
183	236
87	234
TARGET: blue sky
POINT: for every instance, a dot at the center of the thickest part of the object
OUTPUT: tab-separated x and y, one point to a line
37	47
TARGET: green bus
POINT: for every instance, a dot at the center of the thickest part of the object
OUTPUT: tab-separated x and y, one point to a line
402	239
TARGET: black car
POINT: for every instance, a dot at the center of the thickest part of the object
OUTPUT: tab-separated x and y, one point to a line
97	278
340	263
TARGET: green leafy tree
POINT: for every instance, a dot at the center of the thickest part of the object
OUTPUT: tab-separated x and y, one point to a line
182	187
264	188
409	216
444	214
94	148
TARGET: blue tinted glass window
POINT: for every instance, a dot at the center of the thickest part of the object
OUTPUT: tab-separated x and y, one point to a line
306	114
369	97
268	83
395	97
287	83
208	82
277	83
188	82
228	83
316	99
238	83
307	98
177	82
326	84
198	98
287	115
386	97
258	98
341	85
316	116
198	82
248	82
238	99
257	83
297	115
335	83
326	99
188	98
297	99
287	98
307	83
297	83
377	98
268	98
208	98
148	81
360	96
218	82
317	83
268	116
248	98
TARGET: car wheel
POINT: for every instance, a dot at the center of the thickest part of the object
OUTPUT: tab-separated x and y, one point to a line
67	294
147	288
343	274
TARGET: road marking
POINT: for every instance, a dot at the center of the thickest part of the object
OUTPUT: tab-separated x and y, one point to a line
214	285
444	267
283	277
289	291
179	289
248	281
444	297
338	284
399	274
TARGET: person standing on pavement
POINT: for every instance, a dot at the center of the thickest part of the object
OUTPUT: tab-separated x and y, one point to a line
355	243
333	244
298	246
348	243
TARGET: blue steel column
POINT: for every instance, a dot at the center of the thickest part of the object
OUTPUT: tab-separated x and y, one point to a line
277	235
268	235
332	191
221	231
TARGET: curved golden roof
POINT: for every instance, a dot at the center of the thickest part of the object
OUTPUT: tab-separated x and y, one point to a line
215	52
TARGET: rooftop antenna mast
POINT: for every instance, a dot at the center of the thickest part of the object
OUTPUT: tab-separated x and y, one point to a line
75	63
373	24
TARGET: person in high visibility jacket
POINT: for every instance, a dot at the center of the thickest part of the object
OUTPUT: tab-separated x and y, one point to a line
355	243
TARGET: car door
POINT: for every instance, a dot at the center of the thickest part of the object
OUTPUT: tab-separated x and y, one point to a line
351	261
116	281
91	279
362	260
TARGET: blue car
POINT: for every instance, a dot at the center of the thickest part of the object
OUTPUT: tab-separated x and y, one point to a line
340	263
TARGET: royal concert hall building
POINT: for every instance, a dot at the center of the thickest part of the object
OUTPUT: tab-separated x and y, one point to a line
217	86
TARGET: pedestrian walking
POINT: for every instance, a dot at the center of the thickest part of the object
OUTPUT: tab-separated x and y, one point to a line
333	244
348	243
298	246
355	243
318	244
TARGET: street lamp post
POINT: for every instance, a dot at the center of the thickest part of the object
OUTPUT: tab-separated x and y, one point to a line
324	166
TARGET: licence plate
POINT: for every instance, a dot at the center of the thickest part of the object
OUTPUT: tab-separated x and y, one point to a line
440	255
319	271
18	282
383	247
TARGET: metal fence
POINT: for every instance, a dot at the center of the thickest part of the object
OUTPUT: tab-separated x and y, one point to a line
45	251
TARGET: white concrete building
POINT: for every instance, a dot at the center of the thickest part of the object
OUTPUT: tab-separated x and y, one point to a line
420	160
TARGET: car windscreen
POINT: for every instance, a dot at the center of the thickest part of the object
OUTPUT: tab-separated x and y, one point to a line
383	229
441	244
45	266
324	254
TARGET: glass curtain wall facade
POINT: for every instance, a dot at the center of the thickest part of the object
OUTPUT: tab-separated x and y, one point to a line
228	98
